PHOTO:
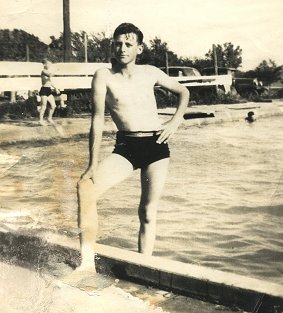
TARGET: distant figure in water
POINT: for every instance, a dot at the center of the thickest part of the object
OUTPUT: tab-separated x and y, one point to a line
250	118
46	93
141	142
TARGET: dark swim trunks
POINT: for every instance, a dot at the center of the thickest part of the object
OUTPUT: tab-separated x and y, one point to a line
45	91
140	148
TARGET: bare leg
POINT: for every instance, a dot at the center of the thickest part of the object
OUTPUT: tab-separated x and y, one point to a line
88	222
52	109
111	171
152	182
42	110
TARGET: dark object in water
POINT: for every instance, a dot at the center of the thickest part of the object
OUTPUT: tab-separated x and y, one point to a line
250	118
188	116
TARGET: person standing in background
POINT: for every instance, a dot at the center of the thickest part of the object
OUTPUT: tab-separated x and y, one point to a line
46	93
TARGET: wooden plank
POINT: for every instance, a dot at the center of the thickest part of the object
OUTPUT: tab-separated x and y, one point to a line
77	76
20	83
34	83
20	68
72	82
78	68
66	75
61	69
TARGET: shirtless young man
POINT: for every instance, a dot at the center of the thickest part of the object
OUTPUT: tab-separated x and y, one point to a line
46	93
127	90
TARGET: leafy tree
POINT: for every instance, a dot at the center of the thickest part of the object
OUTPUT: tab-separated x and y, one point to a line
56	49
185	62
14	46
268	72
77	43
155	54
200	64
227	55
158	51
98	47
146	57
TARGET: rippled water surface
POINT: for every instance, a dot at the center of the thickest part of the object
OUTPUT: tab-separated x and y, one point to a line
222	205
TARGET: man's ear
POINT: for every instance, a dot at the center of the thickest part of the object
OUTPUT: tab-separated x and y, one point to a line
112	44
140	48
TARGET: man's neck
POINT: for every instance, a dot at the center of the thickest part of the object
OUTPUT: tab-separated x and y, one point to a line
125	69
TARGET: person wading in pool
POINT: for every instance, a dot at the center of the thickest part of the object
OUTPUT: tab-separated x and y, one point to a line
127	90
46	93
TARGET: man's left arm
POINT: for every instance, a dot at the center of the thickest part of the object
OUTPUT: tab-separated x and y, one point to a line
169	83
50	74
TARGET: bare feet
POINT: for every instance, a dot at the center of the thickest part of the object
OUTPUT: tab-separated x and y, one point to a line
50	121
87	279
42	123
87	267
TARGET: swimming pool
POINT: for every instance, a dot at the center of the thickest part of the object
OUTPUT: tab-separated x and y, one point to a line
222	205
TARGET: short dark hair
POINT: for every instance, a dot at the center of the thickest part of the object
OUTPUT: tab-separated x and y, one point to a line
127	28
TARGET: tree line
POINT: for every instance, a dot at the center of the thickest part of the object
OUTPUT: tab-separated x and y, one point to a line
18	45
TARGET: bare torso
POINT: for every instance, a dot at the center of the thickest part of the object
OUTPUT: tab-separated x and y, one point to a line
46	79
131	101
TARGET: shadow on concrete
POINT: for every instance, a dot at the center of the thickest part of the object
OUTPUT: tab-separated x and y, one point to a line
35	253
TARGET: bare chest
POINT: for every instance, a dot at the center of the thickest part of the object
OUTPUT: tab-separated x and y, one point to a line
129	89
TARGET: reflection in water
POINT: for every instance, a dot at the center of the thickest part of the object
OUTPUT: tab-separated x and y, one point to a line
222	204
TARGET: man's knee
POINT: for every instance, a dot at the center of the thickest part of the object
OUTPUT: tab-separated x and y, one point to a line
53	105
147	213
85	185
43	104
87	195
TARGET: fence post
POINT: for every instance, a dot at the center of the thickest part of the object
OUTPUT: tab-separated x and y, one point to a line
13	96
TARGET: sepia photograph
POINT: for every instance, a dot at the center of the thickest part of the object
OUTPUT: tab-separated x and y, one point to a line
141	156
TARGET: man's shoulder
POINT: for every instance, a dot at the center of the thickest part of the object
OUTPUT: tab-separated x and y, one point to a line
148	67
101	74
102	71
45	72
153	71
150	70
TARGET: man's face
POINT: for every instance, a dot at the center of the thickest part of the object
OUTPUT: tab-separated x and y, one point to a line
126	48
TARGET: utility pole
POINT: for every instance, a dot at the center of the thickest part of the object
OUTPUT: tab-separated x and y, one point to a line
67	31
215	59
166	63
215	64
27	60
85	46
27	52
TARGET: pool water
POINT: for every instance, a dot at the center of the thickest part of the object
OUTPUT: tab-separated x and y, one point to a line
222	204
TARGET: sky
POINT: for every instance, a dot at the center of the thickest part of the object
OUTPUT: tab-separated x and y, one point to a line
190	27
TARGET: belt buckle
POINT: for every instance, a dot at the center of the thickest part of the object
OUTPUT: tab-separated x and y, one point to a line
141	134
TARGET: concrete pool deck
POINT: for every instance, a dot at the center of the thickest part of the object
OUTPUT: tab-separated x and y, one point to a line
175	286
33	265
15	131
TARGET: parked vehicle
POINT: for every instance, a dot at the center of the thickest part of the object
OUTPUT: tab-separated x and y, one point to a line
246	87
181	71
202	88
